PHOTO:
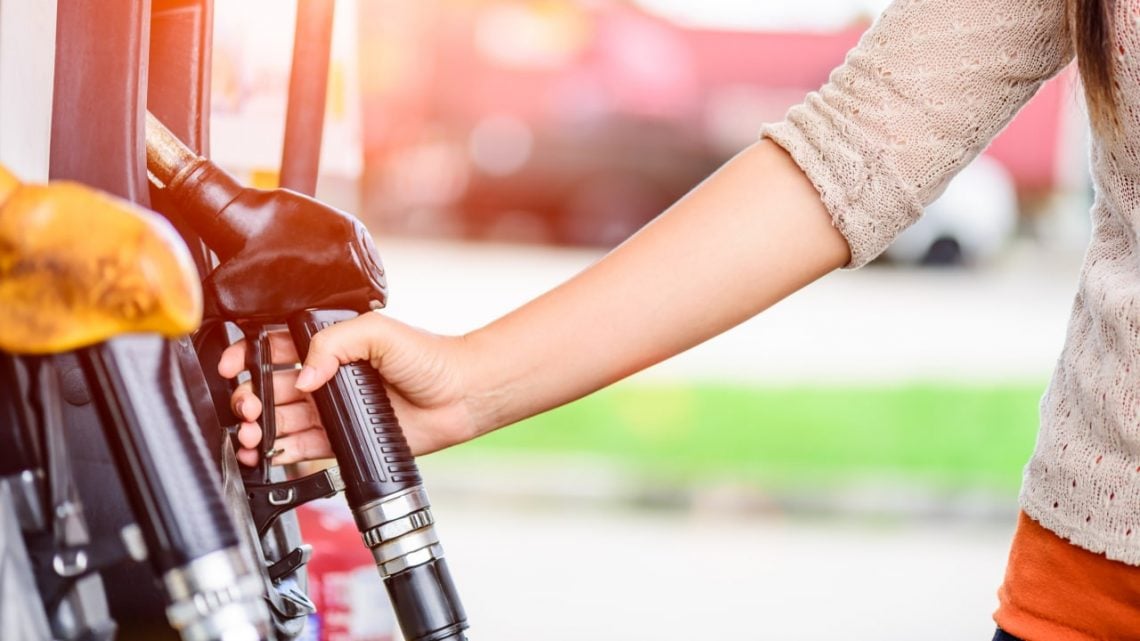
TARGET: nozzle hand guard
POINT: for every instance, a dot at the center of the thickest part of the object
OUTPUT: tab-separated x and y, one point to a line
280	252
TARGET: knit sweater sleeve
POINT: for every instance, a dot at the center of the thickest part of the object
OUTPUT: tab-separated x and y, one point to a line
925	90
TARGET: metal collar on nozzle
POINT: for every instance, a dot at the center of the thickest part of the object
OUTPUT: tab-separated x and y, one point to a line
166	156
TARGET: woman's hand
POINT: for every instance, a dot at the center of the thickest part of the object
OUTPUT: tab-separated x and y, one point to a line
426	376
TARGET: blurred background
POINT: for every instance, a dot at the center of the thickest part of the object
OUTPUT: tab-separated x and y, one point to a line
844	466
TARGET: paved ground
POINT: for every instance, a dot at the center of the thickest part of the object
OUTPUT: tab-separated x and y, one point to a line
578	575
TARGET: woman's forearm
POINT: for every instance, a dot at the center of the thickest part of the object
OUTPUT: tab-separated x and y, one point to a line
752	233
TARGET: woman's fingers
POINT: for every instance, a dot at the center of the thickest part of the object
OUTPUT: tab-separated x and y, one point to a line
346	342
299	437
248	457
281	350
246	405
232	360
302	446
249	434
285	387
296	417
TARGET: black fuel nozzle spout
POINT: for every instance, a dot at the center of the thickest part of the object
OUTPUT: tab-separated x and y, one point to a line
279	251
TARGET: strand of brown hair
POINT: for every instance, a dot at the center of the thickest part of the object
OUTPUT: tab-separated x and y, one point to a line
1091	22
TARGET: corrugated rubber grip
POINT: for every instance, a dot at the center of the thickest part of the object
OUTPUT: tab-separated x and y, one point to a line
365	436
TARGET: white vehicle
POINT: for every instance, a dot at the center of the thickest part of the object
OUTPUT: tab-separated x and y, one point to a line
969	223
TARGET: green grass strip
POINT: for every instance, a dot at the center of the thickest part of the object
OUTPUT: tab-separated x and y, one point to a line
946	435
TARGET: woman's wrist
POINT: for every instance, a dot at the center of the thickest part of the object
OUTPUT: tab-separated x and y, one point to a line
484	377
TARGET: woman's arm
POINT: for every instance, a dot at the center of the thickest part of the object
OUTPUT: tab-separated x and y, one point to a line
749	235
752	233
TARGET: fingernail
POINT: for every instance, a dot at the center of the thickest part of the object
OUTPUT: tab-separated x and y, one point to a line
306	377
240	413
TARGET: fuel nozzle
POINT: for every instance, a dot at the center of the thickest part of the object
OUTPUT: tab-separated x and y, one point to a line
286	258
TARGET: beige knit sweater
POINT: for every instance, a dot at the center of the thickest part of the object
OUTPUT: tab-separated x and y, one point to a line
924	91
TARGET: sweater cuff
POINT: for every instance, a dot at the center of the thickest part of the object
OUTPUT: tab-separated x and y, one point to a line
868	203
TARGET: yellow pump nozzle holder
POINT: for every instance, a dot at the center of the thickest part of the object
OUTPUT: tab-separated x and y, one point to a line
78	267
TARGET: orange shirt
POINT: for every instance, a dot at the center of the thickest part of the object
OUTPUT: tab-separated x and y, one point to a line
1056	591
